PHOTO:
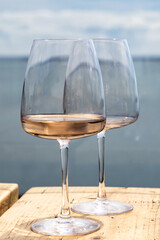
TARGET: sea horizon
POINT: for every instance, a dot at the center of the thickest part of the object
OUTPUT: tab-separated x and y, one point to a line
134	57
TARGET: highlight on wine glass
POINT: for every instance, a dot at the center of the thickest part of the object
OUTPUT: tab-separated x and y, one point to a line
63	99
122	108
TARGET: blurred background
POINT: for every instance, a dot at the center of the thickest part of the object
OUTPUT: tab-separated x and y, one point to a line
132	152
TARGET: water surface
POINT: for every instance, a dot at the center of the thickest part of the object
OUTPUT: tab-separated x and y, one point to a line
132	152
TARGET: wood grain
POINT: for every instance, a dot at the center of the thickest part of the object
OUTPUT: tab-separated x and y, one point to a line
8	196
143	223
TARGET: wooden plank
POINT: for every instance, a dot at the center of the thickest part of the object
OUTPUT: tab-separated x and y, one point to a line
143	223
8	196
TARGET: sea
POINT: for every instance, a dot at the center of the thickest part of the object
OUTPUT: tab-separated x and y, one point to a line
132	153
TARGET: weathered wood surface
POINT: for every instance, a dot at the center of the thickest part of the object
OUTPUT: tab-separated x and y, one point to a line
8	196
143	223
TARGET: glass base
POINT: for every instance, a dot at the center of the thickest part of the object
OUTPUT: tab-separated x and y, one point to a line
65	226
101	207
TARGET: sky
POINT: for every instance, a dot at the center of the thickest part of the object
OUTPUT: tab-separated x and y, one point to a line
22	21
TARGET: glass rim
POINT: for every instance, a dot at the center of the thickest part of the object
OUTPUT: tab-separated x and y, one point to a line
60	39
78	39
110	39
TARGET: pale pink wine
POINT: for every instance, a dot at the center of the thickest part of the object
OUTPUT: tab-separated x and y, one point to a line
63	126
118	121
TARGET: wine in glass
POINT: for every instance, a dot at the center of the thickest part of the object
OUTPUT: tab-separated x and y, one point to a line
63	99
122	108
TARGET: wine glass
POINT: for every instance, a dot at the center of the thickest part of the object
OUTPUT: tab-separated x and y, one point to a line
63	99
122	108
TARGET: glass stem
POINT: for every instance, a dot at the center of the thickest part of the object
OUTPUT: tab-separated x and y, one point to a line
65	208
101	152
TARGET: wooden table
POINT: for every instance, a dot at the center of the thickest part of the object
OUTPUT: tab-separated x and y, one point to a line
143	223
8	196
